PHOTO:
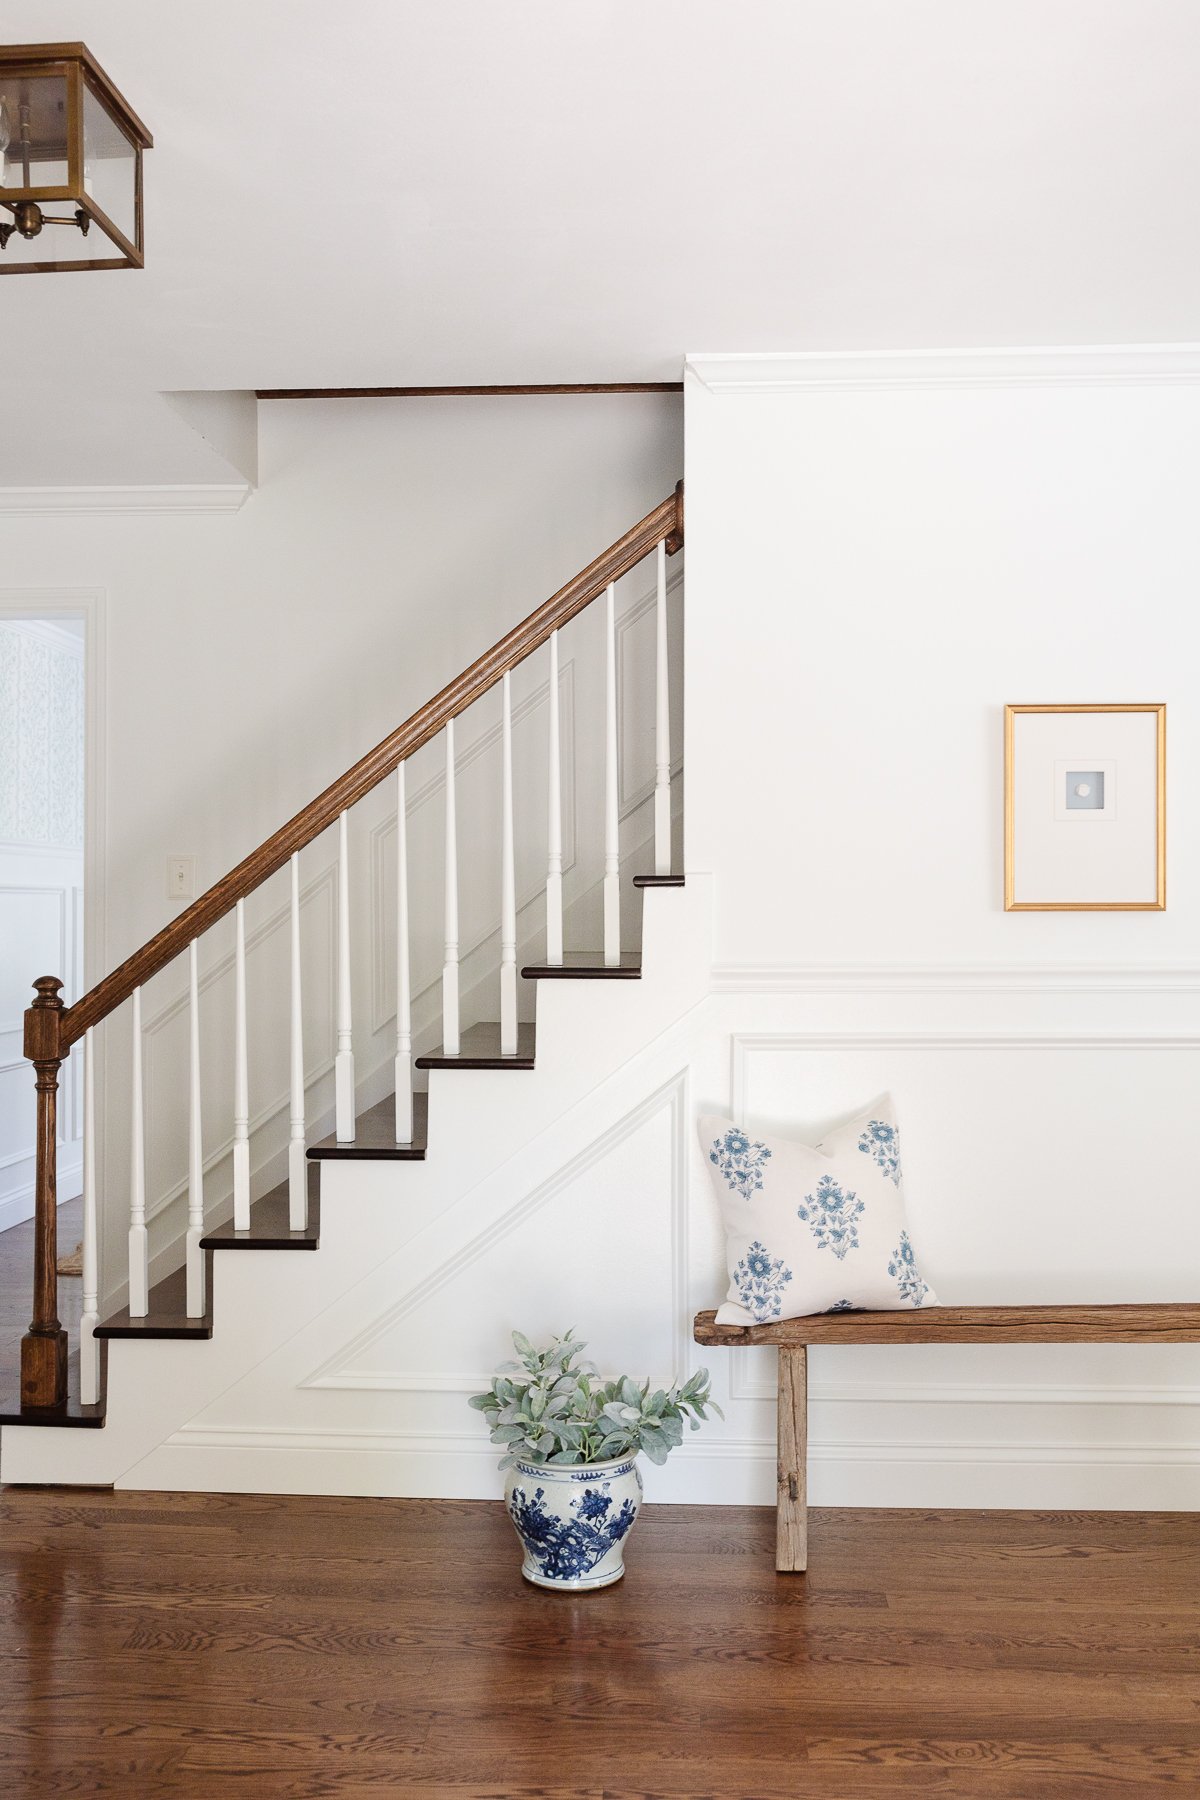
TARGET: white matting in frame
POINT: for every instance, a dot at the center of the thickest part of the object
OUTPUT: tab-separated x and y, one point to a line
1085	808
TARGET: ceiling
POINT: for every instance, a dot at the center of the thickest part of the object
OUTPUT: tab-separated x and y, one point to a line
400	192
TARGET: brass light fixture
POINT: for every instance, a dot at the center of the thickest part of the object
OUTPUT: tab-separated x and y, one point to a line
70	164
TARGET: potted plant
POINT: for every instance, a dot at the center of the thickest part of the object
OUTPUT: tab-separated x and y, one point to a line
571	1443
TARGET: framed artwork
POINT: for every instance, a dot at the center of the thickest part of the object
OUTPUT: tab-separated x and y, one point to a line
1085	808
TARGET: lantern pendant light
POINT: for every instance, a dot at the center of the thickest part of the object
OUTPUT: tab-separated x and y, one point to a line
70	164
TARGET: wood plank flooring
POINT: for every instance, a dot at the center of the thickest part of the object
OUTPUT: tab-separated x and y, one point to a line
154	1645
217	1645
16	1288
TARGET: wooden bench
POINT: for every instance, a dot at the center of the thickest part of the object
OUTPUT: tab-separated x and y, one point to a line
1152	1324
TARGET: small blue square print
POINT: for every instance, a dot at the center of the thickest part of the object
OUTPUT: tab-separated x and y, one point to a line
1085	790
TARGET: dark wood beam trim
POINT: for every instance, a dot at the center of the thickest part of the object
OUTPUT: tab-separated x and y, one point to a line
427	393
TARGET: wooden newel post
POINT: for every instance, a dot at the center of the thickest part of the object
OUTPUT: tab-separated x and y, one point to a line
44	1346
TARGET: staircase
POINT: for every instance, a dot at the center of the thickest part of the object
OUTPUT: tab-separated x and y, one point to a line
114	1411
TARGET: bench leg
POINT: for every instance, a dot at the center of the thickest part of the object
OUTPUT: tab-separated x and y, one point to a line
791	1503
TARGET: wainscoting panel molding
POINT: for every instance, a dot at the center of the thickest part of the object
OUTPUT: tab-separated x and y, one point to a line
944	978
165	1045
357	1365
424	841
992	1119
635	696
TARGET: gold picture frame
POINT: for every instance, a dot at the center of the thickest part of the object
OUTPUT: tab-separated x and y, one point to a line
1158	903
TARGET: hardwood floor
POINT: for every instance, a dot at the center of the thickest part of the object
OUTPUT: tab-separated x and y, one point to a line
215	1645
154	1645
16	1288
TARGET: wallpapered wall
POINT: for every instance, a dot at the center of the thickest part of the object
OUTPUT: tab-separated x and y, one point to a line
41	736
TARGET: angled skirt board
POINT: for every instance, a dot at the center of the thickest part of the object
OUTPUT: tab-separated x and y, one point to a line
1145	1324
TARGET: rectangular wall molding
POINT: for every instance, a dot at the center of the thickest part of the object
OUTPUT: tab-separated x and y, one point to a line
749	1044
633	790
743	1386
382	839
320	886
747	1382
222	967
946	978
350	1368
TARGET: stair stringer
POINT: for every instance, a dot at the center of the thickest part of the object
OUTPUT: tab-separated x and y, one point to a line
479	1121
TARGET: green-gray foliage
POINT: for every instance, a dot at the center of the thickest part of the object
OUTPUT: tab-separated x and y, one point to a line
552	1408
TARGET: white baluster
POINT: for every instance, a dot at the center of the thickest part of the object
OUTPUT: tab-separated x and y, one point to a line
662	733
508	885
554	865
297	1169
241	1079
450	1026
194	1255
343	1067
89	1346
404	1100
139	1251
612	844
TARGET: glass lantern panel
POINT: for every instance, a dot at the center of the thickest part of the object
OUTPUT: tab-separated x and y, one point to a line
33	131
109	166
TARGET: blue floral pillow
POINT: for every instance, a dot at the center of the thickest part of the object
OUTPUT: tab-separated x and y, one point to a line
813	1228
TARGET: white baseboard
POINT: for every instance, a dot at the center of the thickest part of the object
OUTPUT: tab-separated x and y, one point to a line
17	1207
1037	1476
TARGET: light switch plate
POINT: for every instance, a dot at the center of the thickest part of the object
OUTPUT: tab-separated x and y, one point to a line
181	878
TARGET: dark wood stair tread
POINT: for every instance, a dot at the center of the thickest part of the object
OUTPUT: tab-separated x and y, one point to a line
167	1317
479	1048
74	1415
269	1230
587	965
269	1225
375	1136
653	881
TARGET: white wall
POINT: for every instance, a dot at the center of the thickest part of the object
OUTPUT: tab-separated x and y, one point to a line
41	880
873	570
876	570
578	1194
882	553
253	657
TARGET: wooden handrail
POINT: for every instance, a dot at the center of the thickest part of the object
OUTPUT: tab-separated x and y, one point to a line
663	525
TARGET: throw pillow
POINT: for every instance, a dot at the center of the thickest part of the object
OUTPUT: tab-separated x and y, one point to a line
813	1228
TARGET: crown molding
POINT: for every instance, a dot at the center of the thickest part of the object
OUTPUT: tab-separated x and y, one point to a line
1100	365
165	498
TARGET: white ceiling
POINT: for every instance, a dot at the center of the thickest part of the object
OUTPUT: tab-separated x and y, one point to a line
393	192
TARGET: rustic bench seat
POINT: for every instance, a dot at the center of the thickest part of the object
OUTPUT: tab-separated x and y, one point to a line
1148	1324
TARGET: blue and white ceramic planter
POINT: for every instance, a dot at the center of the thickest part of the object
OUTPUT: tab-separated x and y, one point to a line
573	1519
